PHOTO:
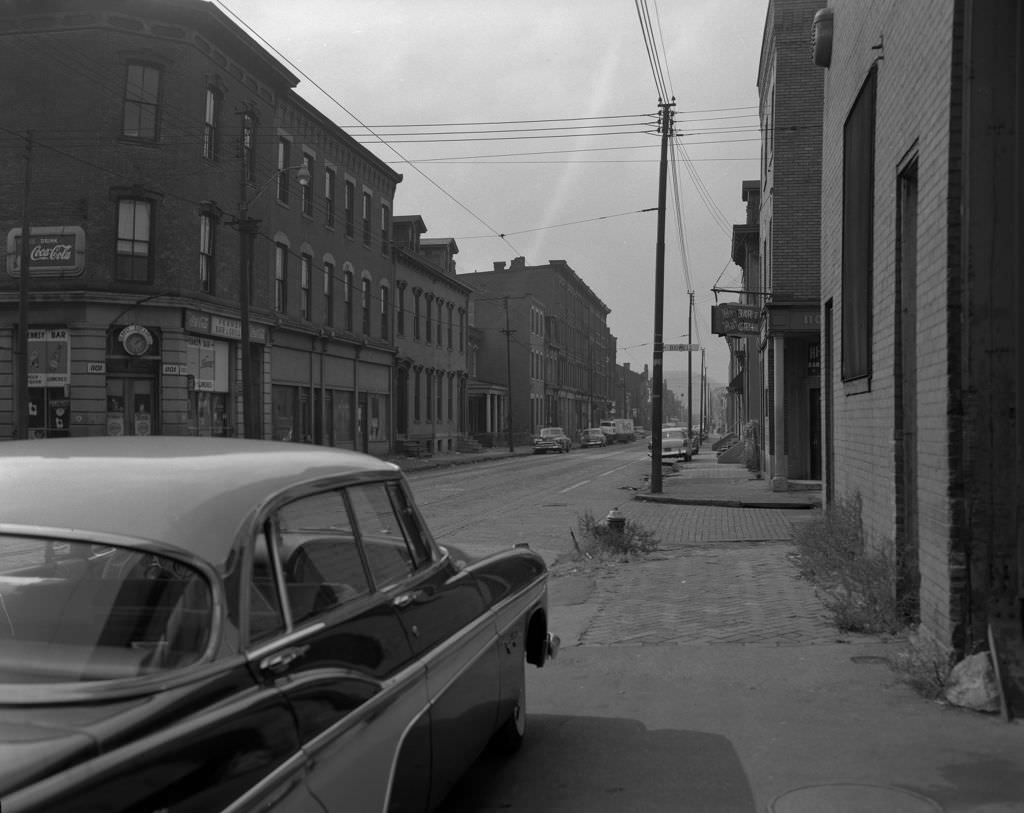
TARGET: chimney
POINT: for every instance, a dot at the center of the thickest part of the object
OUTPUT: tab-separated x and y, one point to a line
517	264
499	265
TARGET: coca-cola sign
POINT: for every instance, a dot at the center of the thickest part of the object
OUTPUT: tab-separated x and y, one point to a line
52	251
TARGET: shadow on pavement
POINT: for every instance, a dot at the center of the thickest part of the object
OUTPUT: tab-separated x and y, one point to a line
598	764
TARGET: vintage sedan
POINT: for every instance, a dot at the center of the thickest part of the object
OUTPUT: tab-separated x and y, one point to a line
594	436
676	444
206	625
551	439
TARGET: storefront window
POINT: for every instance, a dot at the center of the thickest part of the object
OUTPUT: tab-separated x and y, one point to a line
377	408
208	367
343	435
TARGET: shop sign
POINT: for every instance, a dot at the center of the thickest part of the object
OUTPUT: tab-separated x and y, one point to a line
99	367
734	319
174	369
795	320
206	365
52	251
49	350
222	327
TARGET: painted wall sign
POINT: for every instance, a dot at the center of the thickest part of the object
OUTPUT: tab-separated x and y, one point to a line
54	251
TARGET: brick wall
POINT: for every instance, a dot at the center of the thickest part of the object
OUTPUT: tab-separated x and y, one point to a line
913	117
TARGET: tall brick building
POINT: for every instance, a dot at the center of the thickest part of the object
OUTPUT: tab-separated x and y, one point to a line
560	355
168	154
921	255
789	91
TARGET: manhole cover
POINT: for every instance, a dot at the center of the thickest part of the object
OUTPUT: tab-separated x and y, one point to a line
852	799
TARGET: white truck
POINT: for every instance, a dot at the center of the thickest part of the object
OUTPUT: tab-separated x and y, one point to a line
618	430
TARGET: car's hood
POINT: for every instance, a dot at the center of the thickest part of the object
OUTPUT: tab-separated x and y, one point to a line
36	741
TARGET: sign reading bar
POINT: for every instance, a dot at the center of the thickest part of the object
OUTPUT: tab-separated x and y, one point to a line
223	327
734	319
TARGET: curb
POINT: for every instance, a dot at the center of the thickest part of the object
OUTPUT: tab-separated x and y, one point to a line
726	503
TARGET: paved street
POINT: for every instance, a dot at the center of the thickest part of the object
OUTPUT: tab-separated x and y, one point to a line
706	677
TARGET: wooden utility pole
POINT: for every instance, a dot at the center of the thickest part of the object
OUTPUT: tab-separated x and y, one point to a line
21	424
659	302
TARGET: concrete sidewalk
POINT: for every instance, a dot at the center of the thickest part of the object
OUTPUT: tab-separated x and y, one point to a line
714	639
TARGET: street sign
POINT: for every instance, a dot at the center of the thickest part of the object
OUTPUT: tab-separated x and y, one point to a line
695	347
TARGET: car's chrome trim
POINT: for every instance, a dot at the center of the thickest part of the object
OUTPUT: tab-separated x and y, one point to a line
289	639
265	785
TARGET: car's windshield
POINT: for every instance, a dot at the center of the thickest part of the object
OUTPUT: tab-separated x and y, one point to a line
73	611
551	432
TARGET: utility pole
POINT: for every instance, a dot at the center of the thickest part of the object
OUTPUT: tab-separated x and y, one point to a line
703	396
508	376
659	301
689	371
23	283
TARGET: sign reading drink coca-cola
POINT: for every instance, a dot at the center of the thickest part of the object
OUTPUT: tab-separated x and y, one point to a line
52	251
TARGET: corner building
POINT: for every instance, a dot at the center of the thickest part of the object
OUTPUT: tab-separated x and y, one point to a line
172	166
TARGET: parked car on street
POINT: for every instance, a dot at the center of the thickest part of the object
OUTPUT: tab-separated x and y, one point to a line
592	437
197	624
551	439
676	444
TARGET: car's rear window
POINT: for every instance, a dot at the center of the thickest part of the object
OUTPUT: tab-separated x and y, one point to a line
72	611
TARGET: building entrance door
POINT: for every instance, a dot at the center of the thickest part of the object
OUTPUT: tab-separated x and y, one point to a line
131	406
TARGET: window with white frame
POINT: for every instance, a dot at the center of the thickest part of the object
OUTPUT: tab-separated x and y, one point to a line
206	253
330	182
307	189
284	149
134	240
329	293
365	303
305	279
280	278
141	102
211	116
348	294
367	215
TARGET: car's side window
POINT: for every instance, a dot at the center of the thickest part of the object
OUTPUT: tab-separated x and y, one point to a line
388	554
265	616
319	555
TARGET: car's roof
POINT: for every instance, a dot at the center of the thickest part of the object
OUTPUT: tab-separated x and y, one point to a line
193	493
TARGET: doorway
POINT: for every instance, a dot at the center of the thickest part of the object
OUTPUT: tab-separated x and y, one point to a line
131	406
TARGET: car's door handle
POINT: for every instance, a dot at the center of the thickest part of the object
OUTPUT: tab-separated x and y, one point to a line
405	599
280	661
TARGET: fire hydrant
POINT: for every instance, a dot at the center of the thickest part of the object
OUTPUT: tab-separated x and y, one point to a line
615	520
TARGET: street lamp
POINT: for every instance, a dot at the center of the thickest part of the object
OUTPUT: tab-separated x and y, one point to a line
247	227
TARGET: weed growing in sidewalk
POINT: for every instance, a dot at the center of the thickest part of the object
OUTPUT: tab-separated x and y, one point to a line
924	664
857	585
599	540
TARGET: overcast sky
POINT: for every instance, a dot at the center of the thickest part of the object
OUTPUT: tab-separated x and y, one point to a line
395	65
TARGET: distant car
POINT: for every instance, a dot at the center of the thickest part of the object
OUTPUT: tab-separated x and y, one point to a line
197	624
676	444
593	437
551	439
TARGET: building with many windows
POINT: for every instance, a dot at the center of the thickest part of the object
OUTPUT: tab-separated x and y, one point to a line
545	338
431	312
207	253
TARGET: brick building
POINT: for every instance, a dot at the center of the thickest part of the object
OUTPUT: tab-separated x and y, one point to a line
790	94
558	350
431	311
169	151
921	252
